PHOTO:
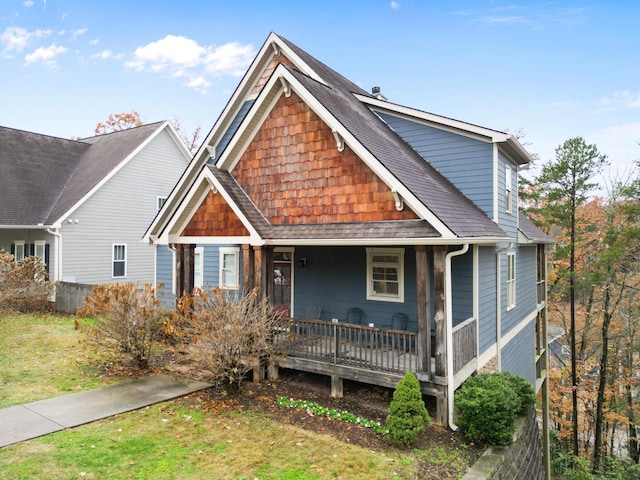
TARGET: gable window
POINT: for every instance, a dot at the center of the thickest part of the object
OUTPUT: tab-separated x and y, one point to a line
385	274
229	268
511	280
19	251
198	267
160	202
508	197
119	261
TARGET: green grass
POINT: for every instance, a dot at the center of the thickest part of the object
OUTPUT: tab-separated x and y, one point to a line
176	441
43	356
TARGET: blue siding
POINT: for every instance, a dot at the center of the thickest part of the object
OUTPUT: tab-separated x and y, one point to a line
164	274
466	162
519	355
462	287
335	279
233	128
526	294
508	221
486	298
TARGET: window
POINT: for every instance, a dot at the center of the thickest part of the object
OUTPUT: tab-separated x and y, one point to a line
508	189
385	274
19	251
119	261
511	280
39	249
198	267
160	202
229	268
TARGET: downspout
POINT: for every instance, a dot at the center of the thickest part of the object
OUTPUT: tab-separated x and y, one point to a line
499	305
57	273
449	297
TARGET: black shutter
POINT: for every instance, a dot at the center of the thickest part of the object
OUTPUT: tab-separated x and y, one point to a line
46	257
31	250
13	249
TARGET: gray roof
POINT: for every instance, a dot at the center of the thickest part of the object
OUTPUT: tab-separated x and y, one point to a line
42	177
436	192
532	232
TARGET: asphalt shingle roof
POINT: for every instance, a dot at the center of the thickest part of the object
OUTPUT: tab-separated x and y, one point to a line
42	177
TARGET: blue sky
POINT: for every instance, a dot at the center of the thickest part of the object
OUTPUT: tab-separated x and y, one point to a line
552	69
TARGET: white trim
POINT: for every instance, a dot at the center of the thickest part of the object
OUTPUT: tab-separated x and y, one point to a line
235	251
508	189
382	297
518	328
113	259
496	187
488	355
36	244
198	265
511	283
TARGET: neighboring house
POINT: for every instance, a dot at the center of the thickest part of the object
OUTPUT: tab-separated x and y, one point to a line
82	205
337	204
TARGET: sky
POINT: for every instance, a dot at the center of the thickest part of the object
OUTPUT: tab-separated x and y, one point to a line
550	70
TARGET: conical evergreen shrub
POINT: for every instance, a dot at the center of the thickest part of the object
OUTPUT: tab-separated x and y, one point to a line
407	414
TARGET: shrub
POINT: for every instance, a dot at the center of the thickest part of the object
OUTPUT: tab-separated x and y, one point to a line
407	414
488	405
23	284
523	389
125	319
225	335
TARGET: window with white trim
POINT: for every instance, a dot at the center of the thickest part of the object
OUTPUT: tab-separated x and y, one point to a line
385	274
508	197
511	280
39	249
119	260
198	267
230	268
160	202
19	251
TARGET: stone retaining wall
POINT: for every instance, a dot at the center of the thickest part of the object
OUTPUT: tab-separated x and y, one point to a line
522	460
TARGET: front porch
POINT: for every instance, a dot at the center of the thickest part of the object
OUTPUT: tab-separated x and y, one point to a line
377	356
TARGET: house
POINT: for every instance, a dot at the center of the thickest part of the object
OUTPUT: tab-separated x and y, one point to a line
83	205
391	236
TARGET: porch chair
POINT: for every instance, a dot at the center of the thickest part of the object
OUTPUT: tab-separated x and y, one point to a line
399	321
354	315
313	312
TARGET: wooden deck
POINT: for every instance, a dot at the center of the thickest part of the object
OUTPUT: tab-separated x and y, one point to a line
371	355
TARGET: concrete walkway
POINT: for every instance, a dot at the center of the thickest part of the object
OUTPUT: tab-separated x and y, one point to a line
31	420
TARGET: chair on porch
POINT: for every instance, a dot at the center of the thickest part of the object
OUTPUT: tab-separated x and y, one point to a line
399	321
313	312
354	315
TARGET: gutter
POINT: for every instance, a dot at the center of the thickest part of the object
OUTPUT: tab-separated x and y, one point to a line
448	294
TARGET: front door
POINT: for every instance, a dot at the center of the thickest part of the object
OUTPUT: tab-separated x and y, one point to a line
282	282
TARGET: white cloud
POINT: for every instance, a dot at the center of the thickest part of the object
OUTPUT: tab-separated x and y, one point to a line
28	3
182	57
15	39
395	4
45	55
106	55
78	32
624	99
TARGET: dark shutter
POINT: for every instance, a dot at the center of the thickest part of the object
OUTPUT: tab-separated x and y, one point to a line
46	257
13	249
31	249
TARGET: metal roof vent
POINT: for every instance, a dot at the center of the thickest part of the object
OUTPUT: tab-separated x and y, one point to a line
375	91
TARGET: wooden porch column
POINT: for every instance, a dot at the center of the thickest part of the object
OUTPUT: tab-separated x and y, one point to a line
247	268
422	302
263	269
439	285
184	269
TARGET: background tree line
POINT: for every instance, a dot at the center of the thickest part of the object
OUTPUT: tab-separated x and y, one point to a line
594	286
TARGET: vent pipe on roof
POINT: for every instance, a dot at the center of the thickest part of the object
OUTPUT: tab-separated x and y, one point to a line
375	91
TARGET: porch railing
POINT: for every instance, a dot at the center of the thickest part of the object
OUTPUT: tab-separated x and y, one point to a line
370	348
541	287
465	343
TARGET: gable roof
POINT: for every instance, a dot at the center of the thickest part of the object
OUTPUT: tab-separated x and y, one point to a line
43	178
350	112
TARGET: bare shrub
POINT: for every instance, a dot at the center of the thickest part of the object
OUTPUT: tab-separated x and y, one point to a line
23	284
226	335
124	319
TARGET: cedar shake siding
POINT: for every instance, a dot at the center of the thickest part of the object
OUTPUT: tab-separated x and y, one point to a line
294	173
215	218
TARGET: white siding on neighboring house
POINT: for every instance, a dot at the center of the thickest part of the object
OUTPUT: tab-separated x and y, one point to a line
119	213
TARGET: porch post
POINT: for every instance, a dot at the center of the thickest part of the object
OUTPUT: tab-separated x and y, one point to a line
439	284
247	267
257	269
184	269
262	265
268	272
422	303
